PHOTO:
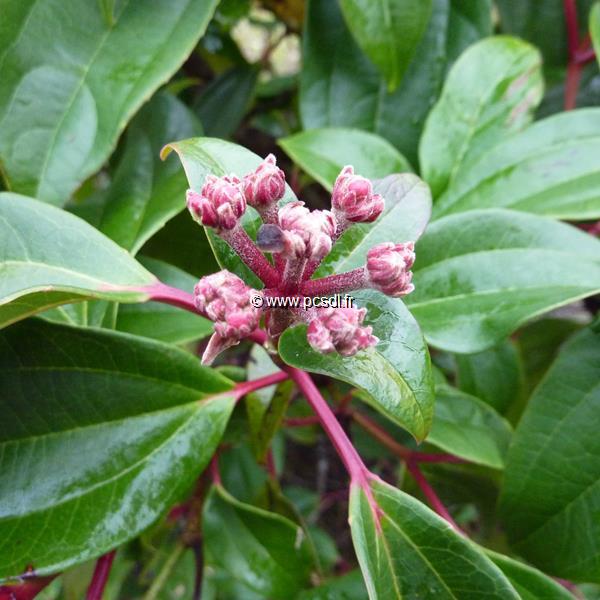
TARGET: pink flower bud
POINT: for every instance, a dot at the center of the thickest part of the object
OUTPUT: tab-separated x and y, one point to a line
388	267
226	300
353	197
306	234
220	203
340	329
266	185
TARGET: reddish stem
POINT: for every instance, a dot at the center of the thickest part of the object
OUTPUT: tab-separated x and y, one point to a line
585	56
335	284
429	493
25	591
572	85
270	464
100	576
241	389
302	421
214	469
574	67
246	249
399	450
570	9
354	465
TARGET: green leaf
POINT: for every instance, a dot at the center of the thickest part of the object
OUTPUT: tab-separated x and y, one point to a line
552	168
223	103
388	32
407	211
530	583
494	376
50	257
146	192
346	587
101	433
262	550
412	553
340	87
323	153
481	274
161	321
201	156
66	96
491	91
395	374
550	501
469	22
595	29
467	427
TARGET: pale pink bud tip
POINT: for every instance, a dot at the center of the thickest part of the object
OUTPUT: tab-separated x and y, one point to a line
340	330
353	197
265	185
306	234
225	299
388	267
220	203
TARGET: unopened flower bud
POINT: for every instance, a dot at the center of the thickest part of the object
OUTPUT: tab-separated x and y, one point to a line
353	198
340	330
388	268
220	203
226	300
306	234
266	185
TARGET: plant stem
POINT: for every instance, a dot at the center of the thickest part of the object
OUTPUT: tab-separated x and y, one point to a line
574	67
246	249
100	576
241	389
429	493
382	436
25	591
354	465
335	284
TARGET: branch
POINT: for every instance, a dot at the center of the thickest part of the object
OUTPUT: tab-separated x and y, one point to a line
27	590
335	284
241	389
100	576
430	494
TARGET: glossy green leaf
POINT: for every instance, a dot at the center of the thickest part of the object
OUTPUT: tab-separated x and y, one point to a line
101	433
395	374
71	81
413	553
161	321
494	376
467	427
481	274
552	168
389	32
323	153
595	29
201	156
407	211
223	103
145	191
50	257
550	501
530	583
490	92
262	550
340	87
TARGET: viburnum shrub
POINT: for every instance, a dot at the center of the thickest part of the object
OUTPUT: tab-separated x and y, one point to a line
363	363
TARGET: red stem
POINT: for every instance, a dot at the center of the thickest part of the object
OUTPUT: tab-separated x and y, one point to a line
354	465
246	249
100	576
241	389
25	591
574	67
572	85
214	469
335	284
570	9
429	493
585	56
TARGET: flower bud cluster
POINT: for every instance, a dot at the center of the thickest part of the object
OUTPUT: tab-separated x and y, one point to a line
300	239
